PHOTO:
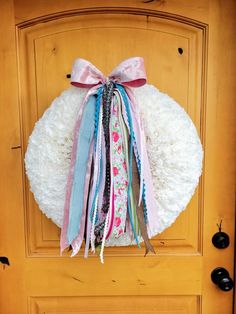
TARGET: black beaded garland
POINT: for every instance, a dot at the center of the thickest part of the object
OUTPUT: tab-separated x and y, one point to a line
106	103
107	97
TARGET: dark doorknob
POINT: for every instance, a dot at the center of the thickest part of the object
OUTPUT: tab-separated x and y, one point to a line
220	277
220	240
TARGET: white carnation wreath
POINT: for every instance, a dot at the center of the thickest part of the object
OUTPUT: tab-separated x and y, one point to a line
174	150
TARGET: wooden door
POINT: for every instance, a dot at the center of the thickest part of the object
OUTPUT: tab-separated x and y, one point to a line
190	56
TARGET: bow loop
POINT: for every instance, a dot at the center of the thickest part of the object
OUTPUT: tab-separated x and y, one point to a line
130	72
85	74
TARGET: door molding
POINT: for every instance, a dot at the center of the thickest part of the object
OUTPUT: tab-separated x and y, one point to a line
114	10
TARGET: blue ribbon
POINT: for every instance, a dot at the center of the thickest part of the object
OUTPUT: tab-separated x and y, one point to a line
85	136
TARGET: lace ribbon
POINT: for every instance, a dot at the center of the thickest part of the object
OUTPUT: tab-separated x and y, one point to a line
101	200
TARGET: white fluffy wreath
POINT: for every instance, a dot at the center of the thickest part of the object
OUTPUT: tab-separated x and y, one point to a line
174	149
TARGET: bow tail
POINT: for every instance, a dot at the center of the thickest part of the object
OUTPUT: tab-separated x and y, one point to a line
129	123
131	195
85	137
105	220
148	206
77	242
119	175
63	238
148	197
78	173
93	202
144	207
140	212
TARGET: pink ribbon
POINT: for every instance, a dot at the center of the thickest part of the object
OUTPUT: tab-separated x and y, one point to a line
130	73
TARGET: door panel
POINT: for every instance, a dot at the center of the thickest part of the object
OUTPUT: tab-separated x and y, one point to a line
123	304
46	55
50	35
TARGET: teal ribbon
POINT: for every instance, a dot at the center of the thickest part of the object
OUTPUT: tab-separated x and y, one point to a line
85	136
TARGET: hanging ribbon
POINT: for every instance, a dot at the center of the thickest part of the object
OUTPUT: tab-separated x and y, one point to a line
101	200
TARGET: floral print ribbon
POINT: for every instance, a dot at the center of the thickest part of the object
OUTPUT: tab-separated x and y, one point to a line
120	175
101	201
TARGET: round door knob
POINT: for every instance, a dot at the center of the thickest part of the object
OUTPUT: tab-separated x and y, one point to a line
220	240
220	277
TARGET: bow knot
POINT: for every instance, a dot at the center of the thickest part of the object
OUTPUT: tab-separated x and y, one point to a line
130	73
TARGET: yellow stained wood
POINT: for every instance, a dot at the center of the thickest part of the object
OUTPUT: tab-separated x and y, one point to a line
175	275
25	11
123	304
12	241
43	47
220	149
177	279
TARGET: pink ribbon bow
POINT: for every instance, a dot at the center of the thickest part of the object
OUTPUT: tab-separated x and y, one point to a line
130	73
